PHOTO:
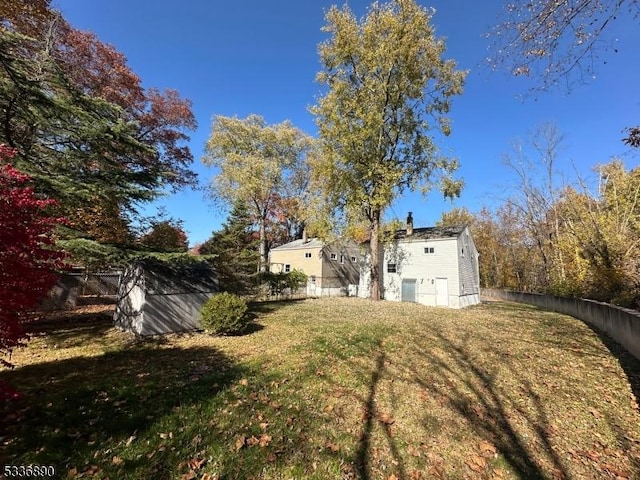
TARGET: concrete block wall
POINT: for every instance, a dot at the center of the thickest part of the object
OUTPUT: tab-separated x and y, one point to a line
621	324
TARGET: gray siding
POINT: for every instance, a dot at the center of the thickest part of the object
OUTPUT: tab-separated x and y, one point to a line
468	265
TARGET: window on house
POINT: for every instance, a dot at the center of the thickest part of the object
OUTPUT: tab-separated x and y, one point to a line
429	250
391	268
341	258
287	268
354	259
313	279
334	256
307	255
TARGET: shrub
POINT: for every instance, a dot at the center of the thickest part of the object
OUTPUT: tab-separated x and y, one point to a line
224	314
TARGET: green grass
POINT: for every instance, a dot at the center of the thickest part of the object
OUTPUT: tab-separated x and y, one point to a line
324	389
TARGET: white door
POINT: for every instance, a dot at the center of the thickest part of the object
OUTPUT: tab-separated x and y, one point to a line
442	292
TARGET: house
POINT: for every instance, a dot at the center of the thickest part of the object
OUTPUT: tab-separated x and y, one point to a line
435	266
156	297
333	269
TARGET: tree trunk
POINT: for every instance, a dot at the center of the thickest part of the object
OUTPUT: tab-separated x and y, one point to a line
263	246
375	257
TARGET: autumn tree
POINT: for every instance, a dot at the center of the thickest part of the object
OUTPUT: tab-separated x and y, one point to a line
27	259
165	235
258	164
387	101
83	126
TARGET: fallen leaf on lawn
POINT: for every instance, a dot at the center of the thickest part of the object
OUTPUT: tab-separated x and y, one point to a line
73	472
130	440
414	452
392	477
117	460
272	457
415	475
240	442
196	464
595	413
264	426
189	476
265	440
476	463
328	409
487	448
332	447
386	419
251	441
244	382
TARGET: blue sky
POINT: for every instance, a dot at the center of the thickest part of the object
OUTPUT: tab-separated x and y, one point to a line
252	56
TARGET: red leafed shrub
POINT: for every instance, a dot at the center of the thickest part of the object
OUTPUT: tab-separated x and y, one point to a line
27	259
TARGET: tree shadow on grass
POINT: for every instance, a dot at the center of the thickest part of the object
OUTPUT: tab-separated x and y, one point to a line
475	394
74	327
77	409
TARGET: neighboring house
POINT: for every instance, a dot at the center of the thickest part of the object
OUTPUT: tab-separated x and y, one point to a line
157	297
435	266
333	269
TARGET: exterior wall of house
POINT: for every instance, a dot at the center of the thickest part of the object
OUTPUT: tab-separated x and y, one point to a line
468	270
340	266
330	268
297	260
412	263
447	266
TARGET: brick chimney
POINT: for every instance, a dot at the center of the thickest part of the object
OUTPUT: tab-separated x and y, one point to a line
410	224
304	236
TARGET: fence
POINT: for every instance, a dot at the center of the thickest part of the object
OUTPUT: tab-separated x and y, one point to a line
97	283
621	324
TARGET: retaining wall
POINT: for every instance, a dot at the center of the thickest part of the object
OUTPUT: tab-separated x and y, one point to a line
621	324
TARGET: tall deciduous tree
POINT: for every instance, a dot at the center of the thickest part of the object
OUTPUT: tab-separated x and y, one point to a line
388	97
258	164
27	259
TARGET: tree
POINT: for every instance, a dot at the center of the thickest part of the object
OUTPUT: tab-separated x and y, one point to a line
456	217
165	236
27	258
258	164
388	96
83	126
235	251
558	41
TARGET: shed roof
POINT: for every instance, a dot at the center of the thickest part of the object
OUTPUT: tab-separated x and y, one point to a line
168	278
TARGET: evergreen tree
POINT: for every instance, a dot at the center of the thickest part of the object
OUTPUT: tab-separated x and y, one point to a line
235	247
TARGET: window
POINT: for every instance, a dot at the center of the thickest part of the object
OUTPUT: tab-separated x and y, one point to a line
391	268
354	259
307	255
341	258
429	250
313	279
287	268
334	256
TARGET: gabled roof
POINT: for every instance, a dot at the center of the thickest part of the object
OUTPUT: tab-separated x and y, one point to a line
299	244
429	233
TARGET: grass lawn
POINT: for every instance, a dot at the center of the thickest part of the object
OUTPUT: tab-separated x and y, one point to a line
333	388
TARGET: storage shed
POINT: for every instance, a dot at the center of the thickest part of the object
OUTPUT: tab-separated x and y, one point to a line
156	297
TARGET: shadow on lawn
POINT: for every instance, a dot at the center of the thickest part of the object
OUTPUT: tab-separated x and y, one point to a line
370	417
486	409
78	407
